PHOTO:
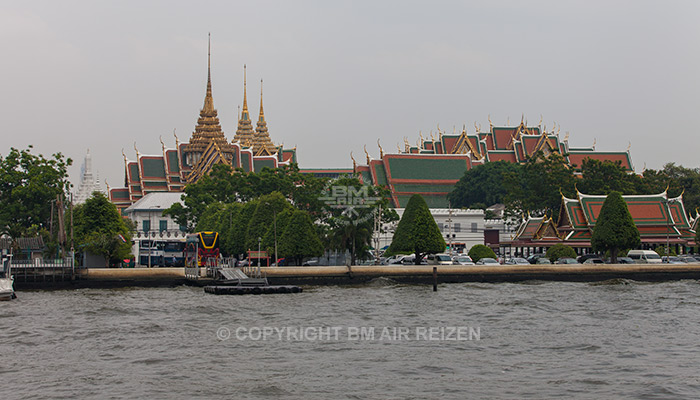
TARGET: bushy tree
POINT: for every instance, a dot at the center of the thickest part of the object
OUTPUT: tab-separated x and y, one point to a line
263	220
615	228
351	228
417	231
603	177
560	250
28	185
482	185
300	239
99	229
479	251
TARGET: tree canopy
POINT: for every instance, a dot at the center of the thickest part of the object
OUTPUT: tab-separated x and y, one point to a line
417	231
560	250
483	185
479	251
28	185
615	228
99	229
300	239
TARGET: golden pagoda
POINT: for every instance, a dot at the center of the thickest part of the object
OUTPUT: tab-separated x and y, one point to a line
262	144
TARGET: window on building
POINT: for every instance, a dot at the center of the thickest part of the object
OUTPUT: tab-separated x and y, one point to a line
146	225
163	225
441	226
457	227
183	228
474	227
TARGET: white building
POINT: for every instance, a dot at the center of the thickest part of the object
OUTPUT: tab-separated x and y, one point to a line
147	214
461	228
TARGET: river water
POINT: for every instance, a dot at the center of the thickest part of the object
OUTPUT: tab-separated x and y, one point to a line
536	340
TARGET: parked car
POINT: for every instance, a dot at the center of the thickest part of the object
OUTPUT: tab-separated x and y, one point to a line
543	260
516	261
487	261
462	260
644	256
687	259
567	260
672	260
582	259
625	260
439	259
395	259
594	260
532	258
411	260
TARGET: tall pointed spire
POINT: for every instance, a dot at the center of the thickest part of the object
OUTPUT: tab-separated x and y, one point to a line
244	132
245	95
208	128
261	117
262	145
208	98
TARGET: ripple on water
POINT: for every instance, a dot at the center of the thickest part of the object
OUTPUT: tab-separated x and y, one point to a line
538	339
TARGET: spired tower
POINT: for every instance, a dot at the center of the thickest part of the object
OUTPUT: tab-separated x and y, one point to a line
262	144
208	144
245	134
88	182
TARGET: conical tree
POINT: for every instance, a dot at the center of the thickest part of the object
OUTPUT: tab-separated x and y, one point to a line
300	239
615	228
417	231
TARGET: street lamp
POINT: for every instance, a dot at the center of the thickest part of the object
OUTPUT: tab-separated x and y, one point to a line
667	202
259	240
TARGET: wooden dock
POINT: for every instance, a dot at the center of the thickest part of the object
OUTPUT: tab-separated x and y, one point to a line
123	277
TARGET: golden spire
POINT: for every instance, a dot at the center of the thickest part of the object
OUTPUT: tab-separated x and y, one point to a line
262	114
398	147
208	99
245	116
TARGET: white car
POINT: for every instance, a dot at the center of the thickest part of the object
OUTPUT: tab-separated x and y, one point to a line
462	260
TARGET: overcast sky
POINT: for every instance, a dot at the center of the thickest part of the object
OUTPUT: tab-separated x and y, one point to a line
338	75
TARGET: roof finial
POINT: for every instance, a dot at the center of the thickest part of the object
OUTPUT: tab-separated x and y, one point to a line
381	151
629	146
490	123
161	143
367	155
177	141
137	151
262	114
354	163
208	100
244	115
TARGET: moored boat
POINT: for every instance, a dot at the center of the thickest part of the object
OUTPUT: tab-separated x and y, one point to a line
7	291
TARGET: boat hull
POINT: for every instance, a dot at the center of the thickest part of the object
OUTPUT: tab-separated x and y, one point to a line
7	291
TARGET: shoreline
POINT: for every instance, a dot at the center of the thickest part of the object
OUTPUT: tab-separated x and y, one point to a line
342	275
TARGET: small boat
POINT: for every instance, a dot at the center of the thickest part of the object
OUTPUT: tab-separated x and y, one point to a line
7	291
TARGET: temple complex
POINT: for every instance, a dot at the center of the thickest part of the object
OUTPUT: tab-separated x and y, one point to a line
433	165
660	220
173	168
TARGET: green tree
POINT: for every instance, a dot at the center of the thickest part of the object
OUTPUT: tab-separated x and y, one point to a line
479	251
417	231
538	185
300	239
482	185
560	250
225	185
28	185
99	229
263	220
615	228
603	177
351	228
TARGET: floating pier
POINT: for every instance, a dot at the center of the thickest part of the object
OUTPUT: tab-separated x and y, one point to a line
240	290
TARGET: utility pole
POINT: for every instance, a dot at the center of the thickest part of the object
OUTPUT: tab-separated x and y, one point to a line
449	227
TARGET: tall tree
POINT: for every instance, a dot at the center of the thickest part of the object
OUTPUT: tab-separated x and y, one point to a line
482	186
417	231
538	186
351	210
603	177
28	185
615	228
99	229
300	239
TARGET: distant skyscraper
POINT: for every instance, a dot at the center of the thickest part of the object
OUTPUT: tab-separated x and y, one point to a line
88	182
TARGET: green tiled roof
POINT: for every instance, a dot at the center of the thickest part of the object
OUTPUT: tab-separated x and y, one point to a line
427	168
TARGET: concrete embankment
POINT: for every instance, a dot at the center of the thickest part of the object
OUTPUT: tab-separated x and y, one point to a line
148	277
